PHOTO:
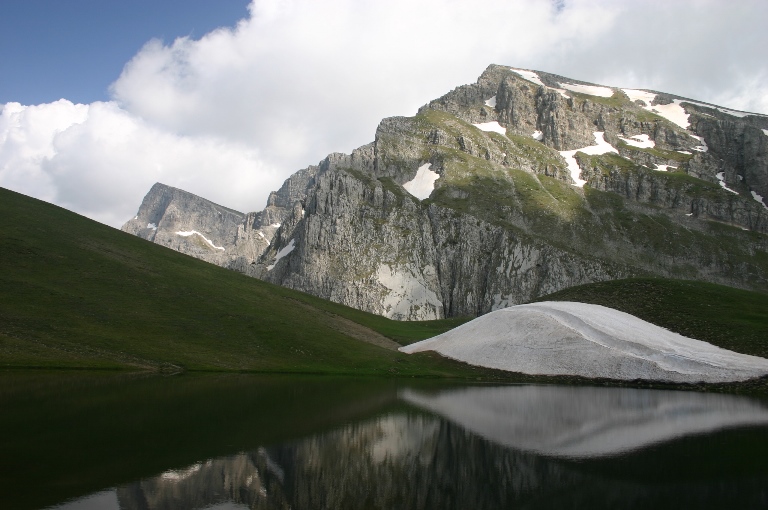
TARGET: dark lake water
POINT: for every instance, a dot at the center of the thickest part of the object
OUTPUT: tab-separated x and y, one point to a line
94	441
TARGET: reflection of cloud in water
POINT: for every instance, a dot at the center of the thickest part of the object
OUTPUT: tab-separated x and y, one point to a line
586	422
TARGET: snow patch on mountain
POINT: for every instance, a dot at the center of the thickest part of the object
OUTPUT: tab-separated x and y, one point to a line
534	78
193	232
602	147
282	253
566	338
529	75
721	179
701	148
640	141
673	112
538	135
591	90
759	198
664	168
423	184
492	127
640	95
491	102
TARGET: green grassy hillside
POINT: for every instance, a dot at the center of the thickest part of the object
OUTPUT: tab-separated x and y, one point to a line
730	318
77	294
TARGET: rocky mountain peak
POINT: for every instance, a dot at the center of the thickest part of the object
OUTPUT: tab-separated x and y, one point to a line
498	192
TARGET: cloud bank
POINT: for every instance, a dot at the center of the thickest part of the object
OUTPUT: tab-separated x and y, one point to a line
230	115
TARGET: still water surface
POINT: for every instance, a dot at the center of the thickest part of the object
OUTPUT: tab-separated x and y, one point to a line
258	442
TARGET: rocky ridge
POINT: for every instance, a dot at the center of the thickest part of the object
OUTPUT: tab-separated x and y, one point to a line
522	205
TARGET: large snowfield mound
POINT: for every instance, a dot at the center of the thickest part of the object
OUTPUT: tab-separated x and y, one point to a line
564	338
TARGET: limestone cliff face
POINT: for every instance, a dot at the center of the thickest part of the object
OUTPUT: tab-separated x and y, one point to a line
377	248
475	203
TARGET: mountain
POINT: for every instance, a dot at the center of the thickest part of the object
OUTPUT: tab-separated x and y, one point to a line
519	185
80	294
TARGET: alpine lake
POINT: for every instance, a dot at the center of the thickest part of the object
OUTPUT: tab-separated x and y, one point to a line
95	440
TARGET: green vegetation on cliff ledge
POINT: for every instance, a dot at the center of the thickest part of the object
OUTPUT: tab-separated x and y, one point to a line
78	294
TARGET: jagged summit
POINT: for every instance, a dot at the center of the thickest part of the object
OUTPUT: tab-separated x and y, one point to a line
501	191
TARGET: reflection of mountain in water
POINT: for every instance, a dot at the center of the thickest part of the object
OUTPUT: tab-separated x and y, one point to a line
245	479
586	422
412	460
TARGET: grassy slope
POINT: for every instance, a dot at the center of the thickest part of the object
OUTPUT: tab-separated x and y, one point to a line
731	318
75	293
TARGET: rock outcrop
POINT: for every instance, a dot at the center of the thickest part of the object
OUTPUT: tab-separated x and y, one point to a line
514	210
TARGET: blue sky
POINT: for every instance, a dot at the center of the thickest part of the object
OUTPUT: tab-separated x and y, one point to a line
100	99
74	49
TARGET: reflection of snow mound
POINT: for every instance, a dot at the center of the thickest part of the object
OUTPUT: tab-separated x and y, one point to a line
586	422
562	338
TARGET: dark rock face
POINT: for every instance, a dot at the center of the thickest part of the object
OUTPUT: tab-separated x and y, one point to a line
504	222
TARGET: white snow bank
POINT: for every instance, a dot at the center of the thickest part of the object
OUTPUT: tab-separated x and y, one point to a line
640	141
759	198
534	78
701	148
640	95
493	127
423	184
673	112
721	179
582	422
152	226
564	338
592	90
193	232
664	168
602	147
491	102
282	253
734	113
538	135
530	76
765	131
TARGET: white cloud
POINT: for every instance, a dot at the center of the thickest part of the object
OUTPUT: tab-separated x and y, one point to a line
230	115
99	160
